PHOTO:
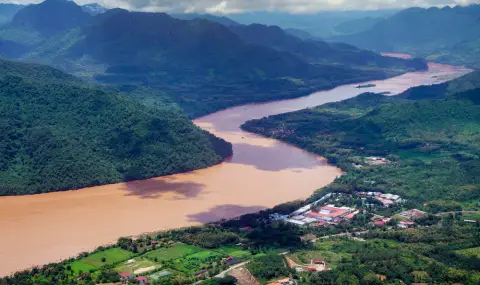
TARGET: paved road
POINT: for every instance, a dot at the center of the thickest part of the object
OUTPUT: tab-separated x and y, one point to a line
439	214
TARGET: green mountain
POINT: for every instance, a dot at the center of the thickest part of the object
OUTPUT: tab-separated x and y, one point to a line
58	133
7	11
35	24
448	33
441	91
357	25
319	52
433	145
202	64
323	24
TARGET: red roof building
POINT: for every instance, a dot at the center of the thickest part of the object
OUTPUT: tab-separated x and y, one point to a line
124	275
328	213
312	269
142	279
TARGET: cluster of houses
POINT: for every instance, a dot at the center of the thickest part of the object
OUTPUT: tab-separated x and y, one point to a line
124	277
387	199
317	265
409	216
376	160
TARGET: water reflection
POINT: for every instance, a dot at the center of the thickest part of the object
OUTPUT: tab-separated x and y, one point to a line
157	187
220	212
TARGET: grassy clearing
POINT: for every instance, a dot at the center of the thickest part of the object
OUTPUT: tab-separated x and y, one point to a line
234	251
79	266
470	252
178	251
112	256
139	263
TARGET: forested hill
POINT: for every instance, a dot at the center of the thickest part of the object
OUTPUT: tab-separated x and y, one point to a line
202	64
442	34
50	17
58	133
319	52
433	144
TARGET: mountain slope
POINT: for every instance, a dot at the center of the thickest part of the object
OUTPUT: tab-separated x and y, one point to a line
202	64
34	24
58	133
7	11
425	32
218	19
94	9
318	51
50	17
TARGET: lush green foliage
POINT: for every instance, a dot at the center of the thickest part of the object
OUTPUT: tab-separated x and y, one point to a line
268	267
58	134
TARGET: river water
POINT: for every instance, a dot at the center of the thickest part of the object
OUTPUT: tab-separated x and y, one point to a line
262	173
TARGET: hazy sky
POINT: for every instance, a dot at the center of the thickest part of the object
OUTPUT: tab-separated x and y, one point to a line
237	6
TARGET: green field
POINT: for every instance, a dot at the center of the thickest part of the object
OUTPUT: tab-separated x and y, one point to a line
112	256
234	251
79	266
178	251
140	263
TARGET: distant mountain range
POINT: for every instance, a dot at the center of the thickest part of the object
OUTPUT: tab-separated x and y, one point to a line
205	66
323	24
443	34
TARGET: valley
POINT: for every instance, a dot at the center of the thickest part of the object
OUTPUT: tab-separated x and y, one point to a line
261	173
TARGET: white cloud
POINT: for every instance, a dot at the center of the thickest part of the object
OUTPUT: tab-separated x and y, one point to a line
237	6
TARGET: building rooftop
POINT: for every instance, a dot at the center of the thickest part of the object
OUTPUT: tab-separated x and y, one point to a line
329	212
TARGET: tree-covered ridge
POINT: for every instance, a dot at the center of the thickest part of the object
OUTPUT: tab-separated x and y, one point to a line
320	52
58	134
50	17
433	144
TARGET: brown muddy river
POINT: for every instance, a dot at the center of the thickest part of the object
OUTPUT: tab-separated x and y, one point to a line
262	173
